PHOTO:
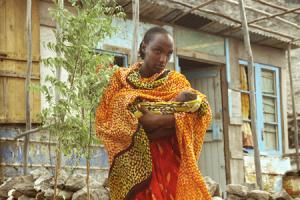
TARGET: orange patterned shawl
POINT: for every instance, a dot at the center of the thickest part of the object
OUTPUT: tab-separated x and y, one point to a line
128	145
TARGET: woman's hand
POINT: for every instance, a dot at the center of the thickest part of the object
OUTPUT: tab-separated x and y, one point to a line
152	122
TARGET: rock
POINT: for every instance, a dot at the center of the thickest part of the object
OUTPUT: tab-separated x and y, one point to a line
105	183
40	172
11	193
11	182
95	184
61	194
213	187
236	189
259	195
24	197
43	182
61	180
283	195
217	198
48	193
40	196
75	183
95	194
234	197
25	189
64	195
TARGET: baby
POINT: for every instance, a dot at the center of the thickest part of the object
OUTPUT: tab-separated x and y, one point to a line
172	106
185	96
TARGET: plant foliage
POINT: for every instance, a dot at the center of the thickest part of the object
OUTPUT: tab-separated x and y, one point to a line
71	116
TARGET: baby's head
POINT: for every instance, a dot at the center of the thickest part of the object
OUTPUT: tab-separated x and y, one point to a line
185	95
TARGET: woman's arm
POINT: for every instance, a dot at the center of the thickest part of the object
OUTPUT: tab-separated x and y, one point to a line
161	132
153	122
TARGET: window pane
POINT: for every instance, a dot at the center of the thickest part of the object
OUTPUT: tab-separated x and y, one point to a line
269	108
247	135
244	77
245	106
268	82
120	61
270	136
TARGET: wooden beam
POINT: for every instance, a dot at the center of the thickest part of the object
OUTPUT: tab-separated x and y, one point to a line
191	10
17	75
27	82
293	107
275	6
251	80
232	19
275	15
263	12
251	25
264	18
207	25
225	113
136	14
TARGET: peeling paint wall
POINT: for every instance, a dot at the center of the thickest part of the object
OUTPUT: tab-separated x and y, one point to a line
273	169
42	153
199	42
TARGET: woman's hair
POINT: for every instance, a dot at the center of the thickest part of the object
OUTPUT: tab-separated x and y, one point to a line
149	35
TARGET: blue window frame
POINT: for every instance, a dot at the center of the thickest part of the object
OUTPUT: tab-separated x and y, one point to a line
267	93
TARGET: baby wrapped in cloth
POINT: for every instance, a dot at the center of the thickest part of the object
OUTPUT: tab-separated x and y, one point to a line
185	101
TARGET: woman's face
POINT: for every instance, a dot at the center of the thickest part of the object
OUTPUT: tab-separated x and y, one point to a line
157	52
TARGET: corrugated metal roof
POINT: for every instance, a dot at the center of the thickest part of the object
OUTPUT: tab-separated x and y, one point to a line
222	17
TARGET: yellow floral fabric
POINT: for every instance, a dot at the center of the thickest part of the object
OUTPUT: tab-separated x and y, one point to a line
117	127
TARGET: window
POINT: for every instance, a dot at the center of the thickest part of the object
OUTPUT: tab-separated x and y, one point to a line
267	94
120	59
246	114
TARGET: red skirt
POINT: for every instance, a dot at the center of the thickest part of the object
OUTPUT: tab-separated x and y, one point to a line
165	166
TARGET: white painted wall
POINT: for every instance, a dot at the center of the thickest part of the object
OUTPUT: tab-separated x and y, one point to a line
295	56
124	35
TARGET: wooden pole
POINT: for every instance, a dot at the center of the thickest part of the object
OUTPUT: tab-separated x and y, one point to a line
252	94
27	83
135	16
57	98
293	106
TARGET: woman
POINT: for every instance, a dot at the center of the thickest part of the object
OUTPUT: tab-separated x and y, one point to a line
152	156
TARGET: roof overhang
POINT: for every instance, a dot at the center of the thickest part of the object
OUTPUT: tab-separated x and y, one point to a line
271	23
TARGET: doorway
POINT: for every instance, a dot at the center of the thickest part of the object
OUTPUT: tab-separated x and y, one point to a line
206	78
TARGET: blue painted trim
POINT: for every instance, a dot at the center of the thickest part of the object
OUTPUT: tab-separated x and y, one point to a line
199	74
126	60
243	62
216	133
227	56
177	67
230	102
278	111
259	107
228	74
